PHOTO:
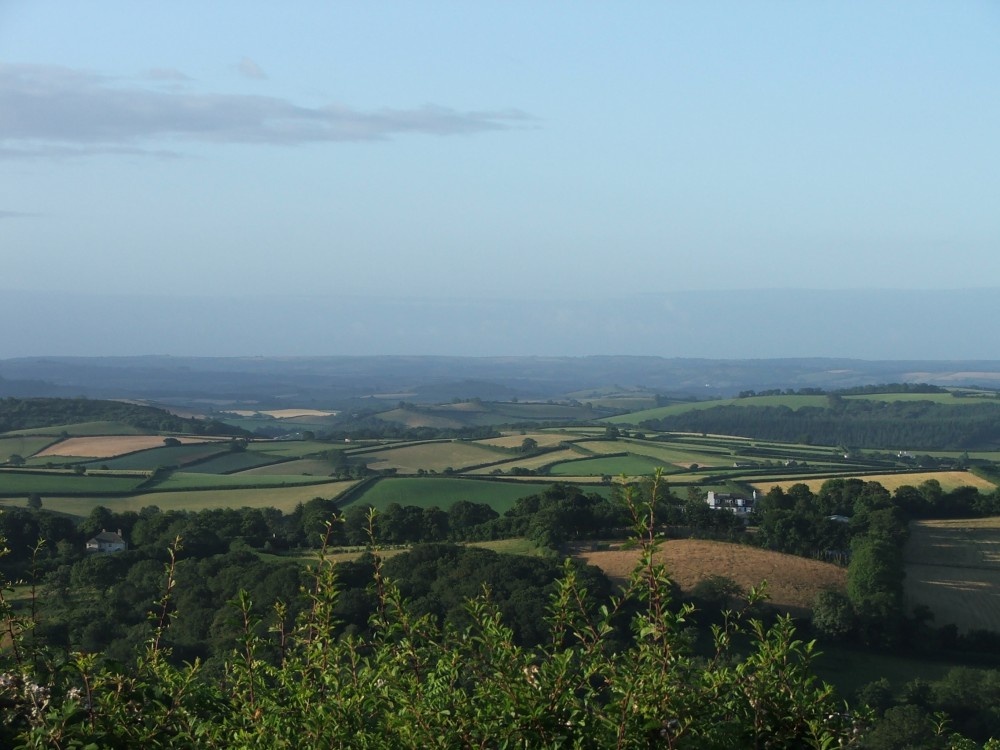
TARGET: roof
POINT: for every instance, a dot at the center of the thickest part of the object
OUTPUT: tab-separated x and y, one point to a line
108	537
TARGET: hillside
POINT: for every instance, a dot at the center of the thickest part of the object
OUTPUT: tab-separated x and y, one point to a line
35	413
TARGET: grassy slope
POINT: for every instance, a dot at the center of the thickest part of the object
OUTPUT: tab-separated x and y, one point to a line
83	428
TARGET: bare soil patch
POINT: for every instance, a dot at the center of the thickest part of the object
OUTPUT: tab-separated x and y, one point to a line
792	582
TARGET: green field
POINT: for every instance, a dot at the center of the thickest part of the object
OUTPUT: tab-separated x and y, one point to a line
22	446
174	455
294	448
231	461
613	465
283	498
184	480
317	467
444	492
15	483
436	456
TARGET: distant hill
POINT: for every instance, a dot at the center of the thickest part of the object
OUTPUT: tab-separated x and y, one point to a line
38	413
364	383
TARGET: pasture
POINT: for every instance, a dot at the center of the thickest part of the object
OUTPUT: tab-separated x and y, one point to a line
22	446
436	456
445	492
535	462
14	483
318	467
294	448
232	461
629	465
792	582
175	455
187	480
953	567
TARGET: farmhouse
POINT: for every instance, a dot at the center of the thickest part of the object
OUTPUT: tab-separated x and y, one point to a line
107	541
740	506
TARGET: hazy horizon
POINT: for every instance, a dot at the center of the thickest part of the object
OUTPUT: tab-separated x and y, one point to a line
722	324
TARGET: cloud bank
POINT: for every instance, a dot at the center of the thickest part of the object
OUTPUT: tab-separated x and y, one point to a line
57	111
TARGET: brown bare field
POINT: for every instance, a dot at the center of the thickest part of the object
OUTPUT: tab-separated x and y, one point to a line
953	567
792	582
109	446
949	480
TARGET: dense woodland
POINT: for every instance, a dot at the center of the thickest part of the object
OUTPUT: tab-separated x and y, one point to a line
886	425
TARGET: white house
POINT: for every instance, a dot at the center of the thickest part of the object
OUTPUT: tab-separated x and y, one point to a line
107	541
740	506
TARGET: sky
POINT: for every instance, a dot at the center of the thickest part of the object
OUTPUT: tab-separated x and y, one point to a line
489	153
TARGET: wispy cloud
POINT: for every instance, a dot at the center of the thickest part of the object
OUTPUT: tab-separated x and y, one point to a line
249	69
55	111
167	74
13	214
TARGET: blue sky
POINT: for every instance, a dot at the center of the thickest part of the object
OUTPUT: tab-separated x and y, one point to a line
489	150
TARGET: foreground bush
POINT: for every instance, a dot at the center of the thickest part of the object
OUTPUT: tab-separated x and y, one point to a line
411	683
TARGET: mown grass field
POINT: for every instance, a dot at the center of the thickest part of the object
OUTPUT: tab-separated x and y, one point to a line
949	480
283	498
613	465
436	456
953	567
109	446
792	582
444	492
